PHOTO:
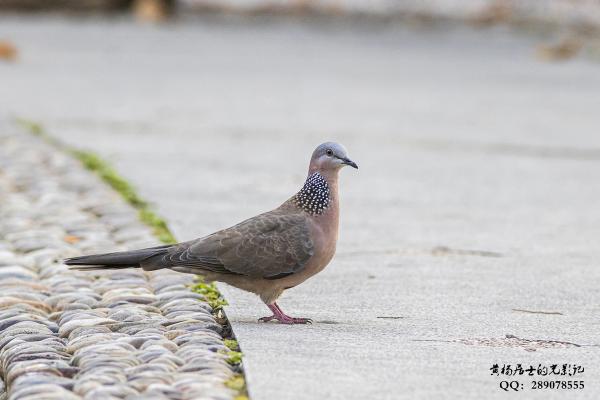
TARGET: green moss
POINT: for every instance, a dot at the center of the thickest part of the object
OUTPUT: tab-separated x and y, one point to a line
94	163
236	382
161	230
210	293
36	129
234	357
231	344
31	126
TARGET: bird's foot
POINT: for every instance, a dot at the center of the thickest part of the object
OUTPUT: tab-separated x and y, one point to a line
282	318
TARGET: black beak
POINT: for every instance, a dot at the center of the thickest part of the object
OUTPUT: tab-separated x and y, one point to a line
349	162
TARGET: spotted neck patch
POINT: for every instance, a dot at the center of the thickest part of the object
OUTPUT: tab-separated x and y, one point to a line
314	195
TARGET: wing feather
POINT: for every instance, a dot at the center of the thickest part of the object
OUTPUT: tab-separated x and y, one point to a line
270	246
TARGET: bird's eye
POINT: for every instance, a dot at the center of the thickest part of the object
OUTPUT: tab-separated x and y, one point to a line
329	152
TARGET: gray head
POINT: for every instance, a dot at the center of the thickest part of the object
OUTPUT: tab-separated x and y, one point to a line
330	156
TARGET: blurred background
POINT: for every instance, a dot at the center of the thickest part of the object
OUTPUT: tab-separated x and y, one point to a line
80	45
581	13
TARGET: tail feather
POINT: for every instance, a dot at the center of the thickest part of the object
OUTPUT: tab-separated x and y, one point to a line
118	260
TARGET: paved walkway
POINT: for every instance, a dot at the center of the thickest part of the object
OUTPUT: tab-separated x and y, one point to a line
468	236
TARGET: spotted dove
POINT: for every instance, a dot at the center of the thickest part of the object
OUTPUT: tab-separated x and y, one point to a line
266	254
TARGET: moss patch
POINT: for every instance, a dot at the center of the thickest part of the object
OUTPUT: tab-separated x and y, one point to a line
231	344
237	383
210	293
36	129
234	355
234	358
94	163
161	230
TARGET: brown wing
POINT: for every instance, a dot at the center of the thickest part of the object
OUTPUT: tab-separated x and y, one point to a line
270	246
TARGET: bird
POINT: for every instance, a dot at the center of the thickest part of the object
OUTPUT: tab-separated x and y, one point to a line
266	254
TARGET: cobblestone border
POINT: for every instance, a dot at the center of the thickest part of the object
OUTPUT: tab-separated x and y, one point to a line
78	335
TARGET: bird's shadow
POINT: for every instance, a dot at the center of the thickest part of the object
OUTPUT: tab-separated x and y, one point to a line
273	323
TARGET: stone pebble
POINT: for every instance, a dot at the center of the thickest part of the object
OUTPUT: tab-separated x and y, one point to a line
124	334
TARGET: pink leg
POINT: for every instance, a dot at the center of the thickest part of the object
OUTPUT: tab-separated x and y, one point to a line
280	316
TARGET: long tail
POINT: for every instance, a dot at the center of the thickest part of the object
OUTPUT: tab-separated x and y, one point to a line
118	260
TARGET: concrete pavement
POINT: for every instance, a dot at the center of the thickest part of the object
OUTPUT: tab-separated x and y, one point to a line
477	193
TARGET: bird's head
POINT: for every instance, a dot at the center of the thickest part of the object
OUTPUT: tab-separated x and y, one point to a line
330	157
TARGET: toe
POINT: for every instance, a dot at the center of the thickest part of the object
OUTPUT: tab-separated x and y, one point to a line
303	321
284	319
